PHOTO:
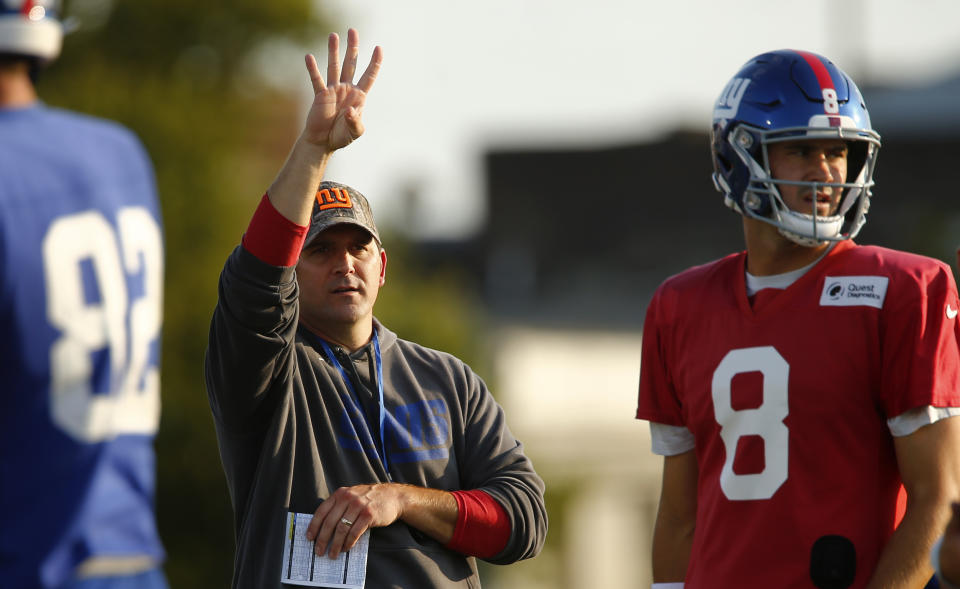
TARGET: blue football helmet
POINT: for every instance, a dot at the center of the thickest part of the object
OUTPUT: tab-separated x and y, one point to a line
31	28
787	95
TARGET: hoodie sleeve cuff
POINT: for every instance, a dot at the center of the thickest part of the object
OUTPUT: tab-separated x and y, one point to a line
273	238
483	526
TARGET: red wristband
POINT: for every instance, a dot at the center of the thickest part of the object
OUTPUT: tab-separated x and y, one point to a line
483	526
273	238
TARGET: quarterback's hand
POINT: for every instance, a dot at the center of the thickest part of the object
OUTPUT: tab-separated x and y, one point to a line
950	549
363	506
335	117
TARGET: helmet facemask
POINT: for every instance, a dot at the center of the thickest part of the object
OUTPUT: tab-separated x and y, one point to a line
762	199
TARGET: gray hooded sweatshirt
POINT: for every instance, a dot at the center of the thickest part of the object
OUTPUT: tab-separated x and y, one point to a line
291	432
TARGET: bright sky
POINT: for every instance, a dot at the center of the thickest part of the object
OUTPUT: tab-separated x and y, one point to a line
461	78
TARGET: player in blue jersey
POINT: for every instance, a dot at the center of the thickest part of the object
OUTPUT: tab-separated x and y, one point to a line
81	267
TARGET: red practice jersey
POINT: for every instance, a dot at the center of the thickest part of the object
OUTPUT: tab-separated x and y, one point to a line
788	403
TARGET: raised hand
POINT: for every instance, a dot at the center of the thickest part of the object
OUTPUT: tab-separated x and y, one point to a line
334	121
335	117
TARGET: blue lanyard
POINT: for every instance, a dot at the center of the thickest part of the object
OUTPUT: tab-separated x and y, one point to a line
378	363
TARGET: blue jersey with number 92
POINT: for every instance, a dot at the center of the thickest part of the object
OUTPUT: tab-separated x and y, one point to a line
81	269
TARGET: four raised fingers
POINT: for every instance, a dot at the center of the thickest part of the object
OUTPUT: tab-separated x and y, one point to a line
334	73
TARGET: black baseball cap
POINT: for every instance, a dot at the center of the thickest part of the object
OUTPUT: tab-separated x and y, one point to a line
336	204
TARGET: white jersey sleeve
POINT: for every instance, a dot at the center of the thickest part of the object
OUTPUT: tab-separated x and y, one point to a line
670	440
908	422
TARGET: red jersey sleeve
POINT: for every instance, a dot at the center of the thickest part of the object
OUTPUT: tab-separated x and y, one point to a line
657	400
921	358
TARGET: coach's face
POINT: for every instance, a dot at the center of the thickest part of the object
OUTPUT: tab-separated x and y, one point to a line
340	274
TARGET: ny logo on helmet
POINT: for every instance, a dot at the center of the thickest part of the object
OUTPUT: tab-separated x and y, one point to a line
729	101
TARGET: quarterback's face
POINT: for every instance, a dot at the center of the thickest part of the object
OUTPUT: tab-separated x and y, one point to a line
340	273
809	160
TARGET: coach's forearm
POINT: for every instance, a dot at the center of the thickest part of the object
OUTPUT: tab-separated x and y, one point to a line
293	190
431	511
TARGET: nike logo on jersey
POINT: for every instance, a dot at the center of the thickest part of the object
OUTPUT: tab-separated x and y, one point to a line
951	312
854	291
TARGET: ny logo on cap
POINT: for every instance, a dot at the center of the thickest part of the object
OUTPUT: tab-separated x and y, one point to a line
334	198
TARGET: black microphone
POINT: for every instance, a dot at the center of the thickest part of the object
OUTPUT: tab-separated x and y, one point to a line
833	562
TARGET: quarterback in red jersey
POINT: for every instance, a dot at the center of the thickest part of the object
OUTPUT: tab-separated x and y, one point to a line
792	388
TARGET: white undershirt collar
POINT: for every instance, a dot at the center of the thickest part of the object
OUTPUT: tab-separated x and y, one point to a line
781	281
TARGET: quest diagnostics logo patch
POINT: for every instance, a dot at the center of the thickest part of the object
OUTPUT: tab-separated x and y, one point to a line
854	291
